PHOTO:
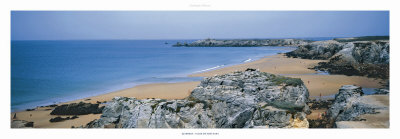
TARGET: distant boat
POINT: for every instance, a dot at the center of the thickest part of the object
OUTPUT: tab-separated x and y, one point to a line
166	43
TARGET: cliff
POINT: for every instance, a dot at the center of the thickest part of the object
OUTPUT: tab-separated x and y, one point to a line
247	99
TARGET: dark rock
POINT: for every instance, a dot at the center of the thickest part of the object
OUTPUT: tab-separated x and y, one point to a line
60	119
53	105
250	69
30	109
77	109
321	123
336	66
74	117
320	104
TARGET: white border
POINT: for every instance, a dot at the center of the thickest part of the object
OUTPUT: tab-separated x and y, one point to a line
7	6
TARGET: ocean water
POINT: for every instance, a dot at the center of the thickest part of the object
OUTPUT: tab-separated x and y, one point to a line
48	72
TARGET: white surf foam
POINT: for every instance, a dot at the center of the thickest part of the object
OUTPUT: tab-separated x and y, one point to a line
209	68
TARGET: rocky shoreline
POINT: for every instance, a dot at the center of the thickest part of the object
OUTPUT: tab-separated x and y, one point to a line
253	99
248	99
242	43
350	104
361	56
242	99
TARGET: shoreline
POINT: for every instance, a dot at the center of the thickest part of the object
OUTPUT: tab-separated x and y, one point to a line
125	86
317	85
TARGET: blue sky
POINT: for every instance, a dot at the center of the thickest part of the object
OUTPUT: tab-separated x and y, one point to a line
80	25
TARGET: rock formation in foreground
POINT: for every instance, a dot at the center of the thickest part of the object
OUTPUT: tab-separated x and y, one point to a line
249	99
350	105
21	124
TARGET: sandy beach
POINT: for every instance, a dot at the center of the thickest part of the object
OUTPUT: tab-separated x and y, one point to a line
157	90
41	116
317	85
278	64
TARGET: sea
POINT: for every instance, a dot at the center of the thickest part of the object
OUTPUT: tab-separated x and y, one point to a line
45	72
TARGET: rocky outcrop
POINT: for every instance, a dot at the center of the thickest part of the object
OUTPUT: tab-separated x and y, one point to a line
364	38
365	58
21	124
80	108
374	52
317	50
60	119
350	104
349	56
249	99
243	43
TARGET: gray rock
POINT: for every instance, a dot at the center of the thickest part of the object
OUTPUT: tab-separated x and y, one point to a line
349	104
317	50
364	58
371	52
236	100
